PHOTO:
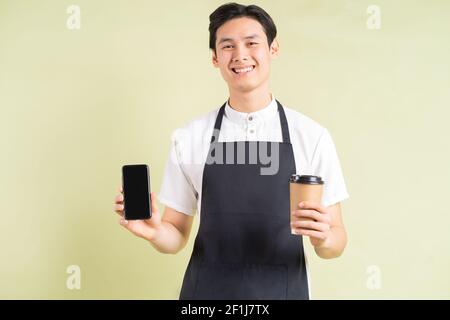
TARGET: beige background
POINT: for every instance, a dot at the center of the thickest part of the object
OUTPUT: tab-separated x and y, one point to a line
77	104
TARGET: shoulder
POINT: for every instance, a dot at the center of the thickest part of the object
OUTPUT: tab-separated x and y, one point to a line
196	130
201	123
303	126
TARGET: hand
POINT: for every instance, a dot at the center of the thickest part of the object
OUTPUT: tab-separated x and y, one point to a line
147	228
312	220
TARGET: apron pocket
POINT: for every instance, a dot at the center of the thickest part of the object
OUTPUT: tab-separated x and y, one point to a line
241	282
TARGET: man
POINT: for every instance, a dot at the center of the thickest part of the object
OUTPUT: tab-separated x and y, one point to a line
244	248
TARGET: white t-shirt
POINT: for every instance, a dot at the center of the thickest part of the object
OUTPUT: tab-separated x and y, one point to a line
313	147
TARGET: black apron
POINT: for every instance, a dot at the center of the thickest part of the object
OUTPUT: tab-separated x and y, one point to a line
244	248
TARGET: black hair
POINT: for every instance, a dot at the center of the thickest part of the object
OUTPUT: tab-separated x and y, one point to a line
234	10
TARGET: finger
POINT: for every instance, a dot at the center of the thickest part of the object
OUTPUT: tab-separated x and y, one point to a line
312	214
311	205
154	207
298	217
310	225
311	233
118	208
305	213
119	198
123	222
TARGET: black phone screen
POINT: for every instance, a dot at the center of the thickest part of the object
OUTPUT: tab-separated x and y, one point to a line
136	192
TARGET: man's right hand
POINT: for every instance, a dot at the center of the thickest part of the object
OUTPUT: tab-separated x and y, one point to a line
146	229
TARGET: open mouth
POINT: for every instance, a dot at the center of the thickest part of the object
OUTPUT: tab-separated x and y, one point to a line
244	70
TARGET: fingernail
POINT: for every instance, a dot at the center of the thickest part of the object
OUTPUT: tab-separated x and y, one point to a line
293	232
302	204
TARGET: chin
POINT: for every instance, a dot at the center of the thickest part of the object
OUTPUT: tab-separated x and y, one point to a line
242	86
247	86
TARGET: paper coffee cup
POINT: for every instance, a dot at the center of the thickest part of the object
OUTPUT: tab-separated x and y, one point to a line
304	188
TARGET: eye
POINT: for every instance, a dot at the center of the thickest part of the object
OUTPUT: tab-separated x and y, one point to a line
226	47
252	43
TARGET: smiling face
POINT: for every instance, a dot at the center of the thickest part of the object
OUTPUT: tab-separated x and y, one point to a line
243	54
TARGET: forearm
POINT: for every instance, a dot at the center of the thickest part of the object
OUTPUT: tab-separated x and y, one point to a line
167	239
334	245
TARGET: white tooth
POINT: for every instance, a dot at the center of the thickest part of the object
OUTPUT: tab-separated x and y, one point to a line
244	70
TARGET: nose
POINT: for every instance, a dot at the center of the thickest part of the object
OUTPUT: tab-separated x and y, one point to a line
240	54
238	59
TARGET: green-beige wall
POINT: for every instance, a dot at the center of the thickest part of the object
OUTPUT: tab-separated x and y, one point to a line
78	104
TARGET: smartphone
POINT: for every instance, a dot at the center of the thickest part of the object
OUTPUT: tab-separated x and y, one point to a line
136	192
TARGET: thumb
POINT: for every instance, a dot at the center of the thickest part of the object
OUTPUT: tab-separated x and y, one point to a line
155	220
123	222
154	207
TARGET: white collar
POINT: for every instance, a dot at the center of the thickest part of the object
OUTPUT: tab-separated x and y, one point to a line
263	115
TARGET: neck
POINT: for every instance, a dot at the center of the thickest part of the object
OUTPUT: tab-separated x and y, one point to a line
251	101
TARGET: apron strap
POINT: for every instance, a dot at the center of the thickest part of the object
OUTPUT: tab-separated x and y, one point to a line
218	123
283	122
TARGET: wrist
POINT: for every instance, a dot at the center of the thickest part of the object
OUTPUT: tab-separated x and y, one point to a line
154	233
325	244
333	245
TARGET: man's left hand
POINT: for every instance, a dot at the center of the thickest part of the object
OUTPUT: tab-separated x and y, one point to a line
312	220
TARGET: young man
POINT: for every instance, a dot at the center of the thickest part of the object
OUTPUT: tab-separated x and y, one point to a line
244	248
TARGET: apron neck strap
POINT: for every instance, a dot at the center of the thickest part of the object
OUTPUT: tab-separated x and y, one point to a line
283	122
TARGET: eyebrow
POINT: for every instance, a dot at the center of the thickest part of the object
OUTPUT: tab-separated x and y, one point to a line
252	36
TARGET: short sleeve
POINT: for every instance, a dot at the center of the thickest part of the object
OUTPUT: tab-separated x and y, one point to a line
325	163
177	191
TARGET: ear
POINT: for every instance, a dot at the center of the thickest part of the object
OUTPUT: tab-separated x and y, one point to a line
274	49
214	59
